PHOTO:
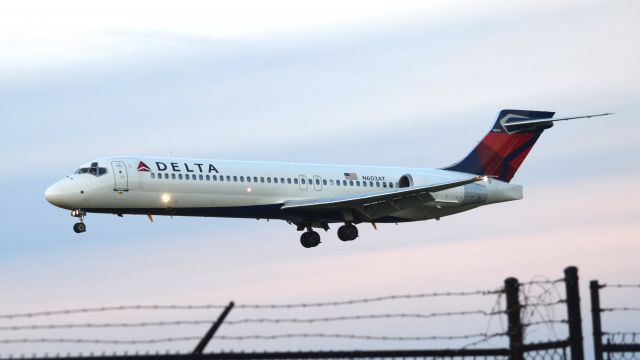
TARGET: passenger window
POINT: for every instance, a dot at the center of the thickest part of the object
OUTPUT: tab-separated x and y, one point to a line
269	179
261	179
281	180
350	182
288	180
248	178
255	179
202	177
166	176
371	183
275	180
317	181
295	181
235	179
377	183
173	176
358	183
153	176
384	184
390	184
241	178
331	182
193	177
303	182
324	182
364	183
228	178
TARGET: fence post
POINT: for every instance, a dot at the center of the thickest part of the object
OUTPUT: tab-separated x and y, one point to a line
573	312
594	287
512	289
212	331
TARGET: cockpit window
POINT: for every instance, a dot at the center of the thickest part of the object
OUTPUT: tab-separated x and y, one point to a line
94	170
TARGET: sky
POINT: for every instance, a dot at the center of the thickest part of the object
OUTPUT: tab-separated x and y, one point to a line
408	83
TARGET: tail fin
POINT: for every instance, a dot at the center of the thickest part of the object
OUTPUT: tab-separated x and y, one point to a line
505	147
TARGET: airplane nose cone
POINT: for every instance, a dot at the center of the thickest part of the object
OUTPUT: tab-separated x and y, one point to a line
53	194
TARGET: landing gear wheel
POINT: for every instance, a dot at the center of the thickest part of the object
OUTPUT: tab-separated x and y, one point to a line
79	227
347	232
310	239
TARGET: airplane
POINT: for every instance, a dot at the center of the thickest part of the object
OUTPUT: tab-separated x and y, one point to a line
309	196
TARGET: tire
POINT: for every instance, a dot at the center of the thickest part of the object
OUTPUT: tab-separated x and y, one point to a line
79	227
347	232
310	239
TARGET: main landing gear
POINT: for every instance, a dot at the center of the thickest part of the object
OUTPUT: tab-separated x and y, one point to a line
310	239
79	227
347	232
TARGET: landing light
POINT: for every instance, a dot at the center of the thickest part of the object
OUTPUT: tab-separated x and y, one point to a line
165	198
485	178
248	189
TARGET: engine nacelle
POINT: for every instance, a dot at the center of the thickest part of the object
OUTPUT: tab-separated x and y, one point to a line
474	194
406	180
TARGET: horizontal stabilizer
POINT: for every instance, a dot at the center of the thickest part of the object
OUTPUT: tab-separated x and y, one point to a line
513	122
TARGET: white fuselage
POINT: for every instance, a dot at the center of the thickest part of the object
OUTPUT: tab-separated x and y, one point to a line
198	187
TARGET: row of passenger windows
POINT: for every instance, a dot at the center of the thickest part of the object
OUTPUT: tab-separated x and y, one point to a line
270	180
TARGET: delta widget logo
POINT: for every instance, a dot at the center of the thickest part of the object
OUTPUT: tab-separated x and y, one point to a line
143	167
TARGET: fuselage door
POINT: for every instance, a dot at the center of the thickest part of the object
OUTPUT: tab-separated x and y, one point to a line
302	180
317	183
121	180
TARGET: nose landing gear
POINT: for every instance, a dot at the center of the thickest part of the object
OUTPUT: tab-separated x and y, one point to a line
79	227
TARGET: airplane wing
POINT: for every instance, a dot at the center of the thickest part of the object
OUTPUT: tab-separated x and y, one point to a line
378	204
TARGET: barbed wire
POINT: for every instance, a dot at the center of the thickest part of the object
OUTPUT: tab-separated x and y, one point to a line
620	309
544	304
362	317
109	308
248	306
485	339
246	321
542	282
99	341
246	337
496	305
637	286
540	305
355	337
371	299
105	325
546	322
